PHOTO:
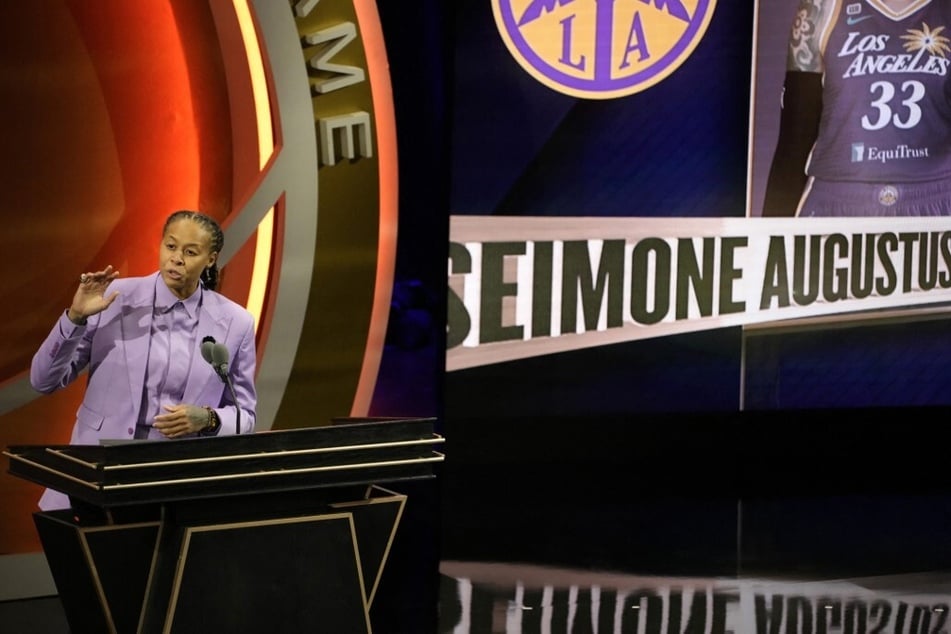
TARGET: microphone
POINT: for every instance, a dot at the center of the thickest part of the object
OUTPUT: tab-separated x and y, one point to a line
206	345
216	354
219	359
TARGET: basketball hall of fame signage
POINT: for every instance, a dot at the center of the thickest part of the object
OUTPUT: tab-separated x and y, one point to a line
276	118
601	49
351	116
313	165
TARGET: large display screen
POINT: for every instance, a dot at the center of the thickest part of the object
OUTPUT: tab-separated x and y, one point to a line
617	239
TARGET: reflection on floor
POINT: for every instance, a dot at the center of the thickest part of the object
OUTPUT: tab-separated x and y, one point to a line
505	598
490	598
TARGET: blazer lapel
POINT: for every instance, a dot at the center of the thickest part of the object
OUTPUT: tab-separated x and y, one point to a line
136	325
211	323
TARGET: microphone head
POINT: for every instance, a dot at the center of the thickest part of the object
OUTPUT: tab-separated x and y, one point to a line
206	349
219	357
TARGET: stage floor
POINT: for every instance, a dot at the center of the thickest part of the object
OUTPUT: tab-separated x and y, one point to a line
515	598
489	598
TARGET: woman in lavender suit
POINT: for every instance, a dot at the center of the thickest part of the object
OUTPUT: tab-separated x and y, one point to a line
141	339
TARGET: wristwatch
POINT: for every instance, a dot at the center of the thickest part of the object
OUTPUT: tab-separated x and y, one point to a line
214	423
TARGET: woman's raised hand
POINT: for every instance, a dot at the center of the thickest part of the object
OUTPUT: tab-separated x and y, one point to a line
90	297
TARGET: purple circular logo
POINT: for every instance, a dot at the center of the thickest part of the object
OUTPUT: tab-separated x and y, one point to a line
601	49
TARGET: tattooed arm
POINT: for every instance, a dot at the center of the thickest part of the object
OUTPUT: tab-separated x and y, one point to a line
801	107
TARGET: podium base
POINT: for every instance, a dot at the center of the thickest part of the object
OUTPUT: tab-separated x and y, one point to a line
304	563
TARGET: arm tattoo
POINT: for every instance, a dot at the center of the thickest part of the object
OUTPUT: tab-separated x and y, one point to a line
805	39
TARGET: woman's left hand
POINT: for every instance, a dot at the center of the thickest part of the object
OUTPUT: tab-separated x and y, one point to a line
181	420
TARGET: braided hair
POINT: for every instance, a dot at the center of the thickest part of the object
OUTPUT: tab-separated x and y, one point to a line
209	276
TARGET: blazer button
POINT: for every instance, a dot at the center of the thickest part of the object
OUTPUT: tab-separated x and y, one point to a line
130	431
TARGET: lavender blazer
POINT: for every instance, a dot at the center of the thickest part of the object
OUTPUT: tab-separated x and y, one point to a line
114	345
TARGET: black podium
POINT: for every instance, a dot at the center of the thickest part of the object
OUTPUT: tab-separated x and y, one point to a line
278	531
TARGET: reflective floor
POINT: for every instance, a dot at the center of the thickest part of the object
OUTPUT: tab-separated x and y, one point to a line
553	563
789	564
484	598
706	525
512	598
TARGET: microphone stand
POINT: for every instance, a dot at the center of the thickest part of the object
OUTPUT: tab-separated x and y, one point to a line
217	355
237	408
222	370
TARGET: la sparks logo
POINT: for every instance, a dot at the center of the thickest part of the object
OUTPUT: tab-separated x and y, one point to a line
601	49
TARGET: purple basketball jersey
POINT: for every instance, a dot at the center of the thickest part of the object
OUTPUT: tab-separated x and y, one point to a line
886	115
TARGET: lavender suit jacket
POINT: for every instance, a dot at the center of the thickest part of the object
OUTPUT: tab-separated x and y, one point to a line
114	345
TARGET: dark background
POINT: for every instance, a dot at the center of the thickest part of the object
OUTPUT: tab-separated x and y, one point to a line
812	451
816	453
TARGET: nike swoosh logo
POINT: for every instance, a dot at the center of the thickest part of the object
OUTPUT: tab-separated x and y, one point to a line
856	19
